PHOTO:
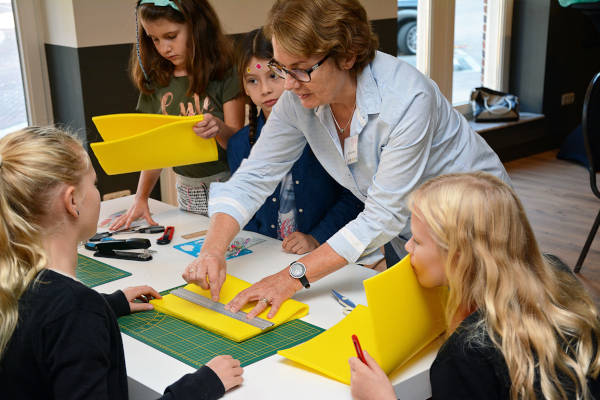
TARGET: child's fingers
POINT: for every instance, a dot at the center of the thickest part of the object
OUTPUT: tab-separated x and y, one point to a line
137	307
370	360
148	291
372	363
145	291
287	243
118	222
297	247
207	132
356	365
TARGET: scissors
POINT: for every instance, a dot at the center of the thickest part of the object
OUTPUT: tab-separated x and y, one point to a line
345	302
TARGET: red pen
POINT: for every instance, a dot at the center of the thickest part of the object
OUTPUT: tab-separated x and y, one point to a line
359	352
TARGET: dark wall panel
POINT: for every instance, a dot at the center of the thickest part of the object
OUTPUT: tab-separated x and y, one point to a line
554	50
92	81
107	89
573	58
528	53
65	87
386	30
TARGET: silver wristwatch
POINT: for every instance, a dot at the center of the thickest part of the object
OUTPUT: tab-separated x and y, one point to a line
298	271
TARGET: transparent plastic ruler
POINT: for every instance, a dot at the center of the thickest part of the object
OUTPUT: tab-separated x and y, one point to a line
200	300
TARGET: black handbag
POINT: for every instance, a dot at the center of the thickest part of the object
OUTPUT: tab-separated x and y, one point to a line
493	106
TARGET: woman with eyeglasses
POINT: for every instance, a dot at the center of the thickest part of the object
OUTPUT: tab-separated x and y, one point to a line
375	123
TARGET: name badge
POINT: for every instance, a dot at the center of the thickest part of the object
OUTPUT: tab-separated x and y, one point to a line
351	149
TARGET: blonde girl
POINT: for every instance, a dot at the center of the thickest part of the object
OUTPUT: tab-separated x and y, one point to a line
58	338
519	327
183	65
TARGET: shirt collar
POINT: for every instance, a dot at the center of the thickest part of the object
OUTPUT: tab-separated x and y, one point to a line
367	93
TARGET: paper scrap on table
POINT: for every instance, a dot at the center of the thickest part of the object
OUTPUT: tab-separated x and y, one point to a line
193	247
401	318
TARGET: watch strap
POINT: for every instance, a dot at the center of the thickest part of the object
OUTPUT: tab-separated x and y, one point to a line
304	281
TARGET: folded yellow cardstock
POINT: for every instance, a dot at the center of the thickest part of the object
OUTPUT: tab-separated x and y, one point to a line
137	142
221	324
401	318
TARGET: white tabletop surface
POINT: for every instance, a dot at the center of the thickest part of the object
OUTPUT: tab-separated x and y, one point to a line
151	371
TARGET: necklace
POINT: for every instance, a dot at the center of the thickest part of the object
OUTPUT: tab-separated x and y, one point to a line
347	123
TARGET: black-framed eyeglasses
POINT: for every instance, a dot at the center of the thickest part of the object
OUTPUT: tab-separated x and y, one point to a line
301	75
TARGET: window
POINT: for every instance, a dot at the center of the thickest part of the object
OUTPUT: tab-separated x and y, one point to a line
13	113
407	30
461	44
24	90
469	21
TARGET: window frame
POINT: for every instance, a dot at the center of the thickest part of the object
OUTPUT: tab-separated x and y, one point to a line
435	52
29	26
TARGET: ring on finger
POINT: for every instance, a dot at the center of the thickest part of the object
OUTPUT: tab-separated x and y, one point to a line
265	300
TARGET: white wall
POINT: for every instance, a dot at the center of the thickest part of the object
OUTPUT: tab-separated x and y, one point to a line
104	22
84	23
60	22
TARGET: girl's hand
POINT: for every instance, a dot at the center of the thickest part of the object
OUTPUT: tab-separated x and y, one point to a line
228	370
143	293
138	209
299	243
208	271
209	127
369	382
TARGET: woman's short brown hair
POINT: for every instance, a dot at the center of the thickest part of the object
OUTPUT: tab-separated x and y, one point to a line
339	28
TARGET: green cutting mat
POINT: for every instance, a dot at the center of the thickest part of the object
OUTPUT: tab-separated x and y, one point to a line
196	346
92	272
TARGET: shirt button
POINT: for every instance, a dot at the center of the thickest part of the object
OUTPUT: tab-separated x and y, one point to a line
297	182
300	210
274	199
272	226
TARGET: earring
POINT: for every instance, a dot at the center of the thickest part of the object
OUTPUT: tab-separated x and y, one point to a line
77	211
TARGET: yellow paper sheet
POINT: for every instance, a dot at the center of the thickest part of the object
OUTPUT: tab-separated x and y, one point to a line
137	142
401	318
221	324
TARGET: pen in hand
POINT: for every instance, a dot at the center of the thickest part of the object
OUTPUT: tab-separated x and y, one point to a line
359	352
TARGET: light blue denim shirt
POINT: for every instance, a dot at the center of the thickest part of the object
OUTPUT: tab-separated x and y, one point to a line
407	133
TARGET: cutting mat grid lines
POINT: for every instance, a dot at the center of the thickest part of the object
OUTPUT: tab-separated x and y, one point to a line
196	346
93	273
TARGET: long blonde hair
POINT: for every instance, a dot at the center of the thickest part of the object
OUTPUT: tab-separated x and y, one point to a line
33	163
538	316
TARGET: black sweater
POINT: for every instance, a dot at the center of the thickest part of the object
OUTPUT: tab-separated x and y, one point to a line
67	345
468	369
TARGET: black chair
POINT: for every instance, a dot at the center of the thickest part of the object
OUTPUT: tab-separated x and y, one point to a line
591	138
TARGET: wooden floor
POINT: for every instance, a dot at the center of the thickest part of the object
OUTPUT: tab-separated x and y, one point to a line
561	208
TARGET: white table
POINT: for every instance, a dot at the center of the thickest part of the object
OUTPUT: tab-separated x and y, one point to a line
151	371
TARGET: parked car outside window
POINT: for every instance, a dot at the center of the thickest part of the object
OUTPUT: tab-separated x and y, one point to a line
407	27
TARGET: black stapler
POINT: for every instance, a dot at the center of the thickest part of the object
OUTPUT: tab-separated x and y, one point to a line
118	249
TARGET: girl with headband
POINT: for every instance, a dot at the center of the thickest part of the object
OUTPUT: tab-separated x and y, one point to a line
182	65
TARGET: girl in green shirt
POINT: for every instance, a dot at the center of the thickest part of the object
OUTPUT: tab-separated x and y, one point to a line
182	65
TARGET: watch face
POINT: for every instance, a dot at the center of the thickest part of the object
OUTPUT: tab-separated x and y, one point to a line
297	270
